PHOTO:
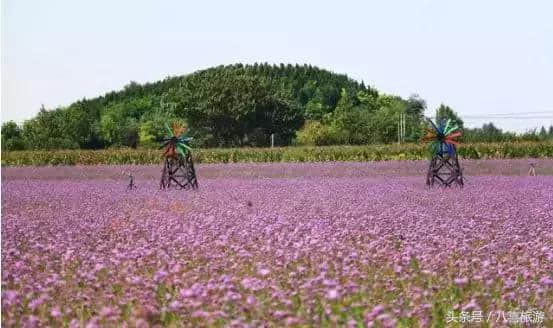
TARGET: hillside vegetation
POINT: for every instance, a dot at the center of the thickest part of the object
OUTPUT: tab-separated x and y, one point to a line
235	106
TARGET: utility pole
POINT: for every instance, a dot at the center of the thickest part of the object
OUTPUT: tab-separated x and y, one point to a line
399	130
403	128
401	124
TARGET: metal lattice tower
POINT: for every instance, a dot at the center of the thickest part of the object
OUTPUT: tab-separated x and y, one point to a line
178	172
445	170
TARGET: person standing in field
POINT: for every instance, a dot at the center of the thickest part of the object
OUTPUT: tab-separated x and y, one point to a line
131	181
532	171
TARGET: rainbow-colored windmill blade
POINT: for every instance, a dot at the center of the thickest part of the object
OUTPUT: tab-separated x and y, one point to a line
441	127
183	145
450	129
177	143
169	130
450	138
433	125
171	136
442	137
451	133
185	141
449	148
447	127
178	129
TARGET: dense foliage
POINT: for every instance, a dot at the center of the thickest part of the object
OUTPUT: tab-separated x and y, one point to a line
236	105
239	105
277	154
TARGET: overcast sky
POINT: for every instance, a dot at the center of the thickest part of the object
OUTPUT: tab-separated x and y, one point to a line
482	58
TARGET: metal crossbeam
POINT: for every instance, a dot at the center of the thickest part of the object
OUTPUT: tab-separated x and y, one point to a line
180	172
445	170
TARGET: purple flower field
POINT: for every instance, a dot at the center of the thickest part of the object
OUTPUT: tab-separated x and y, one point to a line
334	244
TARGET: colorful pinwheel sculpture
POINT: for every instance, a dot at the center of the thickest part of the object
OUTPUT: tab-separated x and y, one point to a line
178	169
442	137
444	165
177	144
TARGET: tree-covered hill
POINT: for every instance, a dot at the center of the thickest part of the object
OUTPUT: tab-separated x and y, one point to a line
234	105
224	106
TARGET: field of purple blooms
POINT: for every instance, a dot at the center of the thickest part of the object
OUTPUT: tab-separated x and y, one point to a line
322	244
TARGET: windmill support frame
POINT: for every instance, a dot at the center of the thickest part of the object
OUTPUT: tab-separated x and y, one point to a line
178	172
445	170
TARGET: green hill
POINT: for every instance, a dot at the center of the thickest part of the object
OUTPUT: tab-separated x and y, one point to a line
239	105
231	105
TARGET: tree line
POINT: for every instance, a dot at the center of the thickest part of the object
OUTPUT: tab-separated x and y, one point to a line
240	105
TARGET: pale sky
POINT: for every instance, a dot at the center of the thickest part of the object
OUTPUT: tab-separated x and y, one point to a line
481	58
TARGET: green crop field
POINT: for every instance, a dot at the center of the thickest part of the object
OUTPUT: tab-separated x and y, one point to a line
283	154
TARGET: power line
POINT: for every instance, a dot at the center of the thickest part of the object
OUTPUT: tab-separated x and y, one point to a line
508	117
544	114
503	117
520	113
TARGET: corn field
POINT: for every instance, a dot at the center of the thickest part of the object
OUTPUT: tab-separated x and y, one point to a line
505	150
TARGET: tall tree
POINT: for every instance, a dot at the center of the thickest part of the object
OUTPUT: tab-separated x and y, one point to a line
48	130
543	132
11	137
230	107
445	112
